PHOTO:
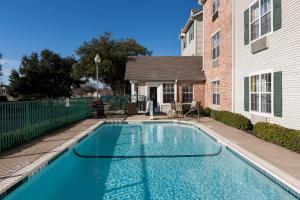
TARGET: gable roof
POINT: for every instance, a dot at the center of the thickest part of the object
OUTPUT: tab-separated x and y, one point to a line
161	68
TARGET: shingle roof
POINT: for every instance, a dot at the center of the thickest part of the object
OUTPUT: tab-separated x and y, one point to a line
165	68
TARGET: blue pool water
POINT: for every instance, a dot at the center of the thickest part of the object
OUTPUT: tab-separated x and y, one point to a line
209	172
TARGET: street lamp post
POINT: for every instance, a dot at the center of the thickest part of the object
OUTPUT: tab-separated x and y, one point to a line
97	61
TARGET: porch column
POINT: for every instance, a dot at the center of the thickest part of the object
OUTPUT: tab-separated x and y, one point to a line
133	93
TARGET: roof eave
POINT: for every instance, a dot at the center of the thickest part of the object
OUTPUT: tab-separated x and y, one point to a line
203	2
190	22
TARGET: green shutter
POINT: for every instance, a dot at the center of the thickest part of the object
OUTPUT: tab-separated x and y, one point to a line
246	27
246	93
277	15
278	94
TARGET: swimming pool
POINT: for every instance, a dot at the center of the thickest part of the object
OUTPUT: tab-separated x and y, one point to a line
149	161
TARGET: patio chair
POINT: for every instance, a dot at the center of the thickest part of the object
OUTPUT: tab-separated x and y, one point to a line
176	107
194	108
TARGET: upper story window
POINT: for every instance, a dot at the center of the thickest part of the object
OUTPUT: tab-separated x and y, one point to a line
216	46
261	93
260	18
215	6
191	33
187	93
168	92
184	42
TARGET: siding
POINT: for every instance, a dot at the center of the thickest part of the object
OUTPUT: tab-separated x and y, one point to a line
190	49
195	47
282	55
199	36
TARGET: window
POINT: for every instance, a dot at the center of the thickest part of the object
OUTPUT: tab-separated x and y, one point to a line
260	18
261	93
187	93
168	92
191	33
216	92
216	46
184	42
136	89
215	6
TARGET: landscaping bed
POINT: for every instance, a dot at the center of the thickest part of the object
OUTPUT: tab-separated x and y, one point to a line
288	138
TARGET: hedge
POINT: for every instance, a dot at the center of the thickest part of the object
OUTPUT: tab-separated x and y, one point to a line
205	111
279	135
232	119
202	111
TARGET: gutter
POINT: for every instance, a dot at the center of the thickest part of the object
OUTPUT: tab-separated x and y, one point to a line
190	20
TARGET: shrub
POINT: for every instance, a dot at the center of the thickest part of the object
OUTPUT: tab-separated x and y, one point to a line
232	119
279	135
186	108
205	111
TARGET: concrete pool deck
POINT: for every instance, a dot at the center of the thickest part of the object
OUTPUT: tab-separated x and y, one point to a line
279	161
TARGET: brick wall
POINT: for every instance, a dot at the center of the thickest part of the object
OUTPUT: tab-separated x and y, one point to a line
222	71
198	89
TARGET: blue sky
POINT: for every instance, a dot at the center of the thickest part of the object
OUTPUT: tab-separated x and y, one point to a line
63	25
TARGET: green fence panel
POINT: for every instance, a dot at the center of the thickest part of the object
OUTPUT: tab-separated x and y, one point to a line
20	122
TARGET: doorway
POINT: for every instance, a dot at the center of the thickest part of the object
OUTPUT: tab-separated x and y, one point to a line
153	97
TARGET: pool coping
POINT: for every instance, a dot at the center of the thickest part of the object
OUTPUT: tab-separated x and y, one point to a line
22	175
284	180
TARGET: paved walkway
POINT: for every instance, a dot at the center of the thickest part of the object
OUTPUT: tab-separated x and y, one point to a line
14	160
282	162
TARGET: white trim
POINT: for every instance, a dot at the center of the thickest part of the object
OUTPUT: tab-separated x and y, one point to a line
212	6
259	19
184	29
212	93
213	47
215	32
194	92
259	73
190	84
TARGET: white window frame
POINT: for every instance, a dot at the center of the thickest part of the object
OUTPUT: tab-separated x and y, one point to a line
259	20
192	27
218	92
184	42
192	92
213	45
163	102
260	93
218	6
